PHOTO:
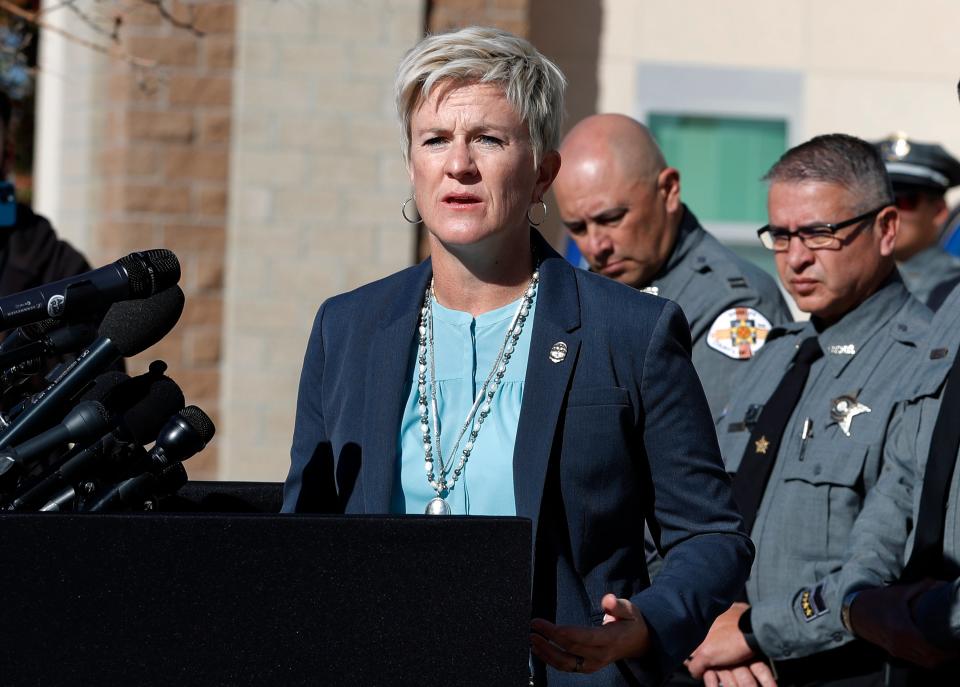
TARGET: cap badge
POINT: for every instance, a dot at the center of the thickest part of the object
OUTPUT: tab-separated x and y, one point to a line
896	147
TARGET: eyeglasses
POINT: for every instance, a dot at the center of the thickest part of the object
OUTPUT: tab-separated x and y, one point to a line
816	236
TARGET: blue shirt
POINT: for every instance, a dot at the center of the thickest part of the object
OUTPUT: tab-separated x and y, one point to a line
465	348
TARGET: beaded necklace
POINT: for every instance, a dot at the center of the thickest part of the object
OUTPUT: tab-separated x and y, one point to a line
444	482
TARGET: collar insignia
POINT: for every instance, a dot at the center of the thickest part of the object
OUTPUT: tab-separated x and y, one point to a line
843	349
652	290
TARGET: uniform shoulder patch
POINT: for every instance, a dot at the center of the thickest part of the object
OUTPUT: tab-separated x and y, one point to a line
738	333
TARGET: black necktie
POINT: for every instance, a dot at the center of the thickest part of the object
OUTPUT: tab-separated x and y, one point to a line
751	478
927	555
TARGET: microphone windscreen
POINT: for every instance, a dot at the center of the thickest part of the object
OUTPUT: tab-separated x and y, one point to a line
103	385
200	422
143	419
134	326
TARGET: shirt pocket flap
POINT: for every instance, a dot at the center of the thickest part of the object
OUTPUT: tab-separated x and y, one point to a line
598	396
840	463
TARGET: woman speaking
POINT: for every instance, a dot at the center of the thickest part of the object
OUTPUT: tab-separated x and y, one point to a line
495	379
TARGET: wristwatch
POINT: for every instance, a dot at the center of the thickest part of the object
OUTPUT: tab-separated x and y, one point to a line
845	611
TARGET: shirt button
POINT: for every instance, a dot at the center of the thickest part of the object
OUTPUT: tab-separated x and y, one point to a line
837	637
787	652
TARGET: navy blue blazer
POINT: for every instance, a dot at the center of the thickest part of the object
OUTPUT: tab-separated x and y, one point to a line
617	433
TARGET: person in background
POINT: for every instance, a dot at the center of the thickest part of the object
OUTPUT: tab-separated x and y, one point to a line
805	430
910	529
921	173
31	254
621	204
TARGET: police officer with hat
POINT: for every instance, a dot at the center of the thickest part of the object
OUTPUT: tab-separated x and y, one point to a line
921	173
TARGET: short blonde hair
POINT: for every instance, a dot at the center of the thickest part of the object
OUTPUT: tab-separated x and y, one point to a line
533	84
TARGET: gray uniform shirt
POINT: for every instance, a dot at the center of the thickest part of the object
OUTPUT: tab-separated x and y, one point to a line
706	279
926	270
821	475
882	543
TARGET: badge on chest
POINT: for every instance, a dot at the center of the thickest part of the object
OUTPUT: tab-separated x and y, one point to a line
844	409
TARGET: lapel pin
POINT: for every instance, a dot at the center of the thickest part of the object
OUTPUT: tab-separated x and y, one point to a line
558	352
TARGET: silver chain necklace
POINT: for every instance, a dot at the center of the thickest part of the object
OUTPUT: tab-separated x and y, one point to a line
444	483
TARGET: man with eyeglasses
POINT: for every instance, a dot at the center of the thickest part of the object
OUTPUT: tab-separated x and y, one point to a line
921	173
804	433
620	203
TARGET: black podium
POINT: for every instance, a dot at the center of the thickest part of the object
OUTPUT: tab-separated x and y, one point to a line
263	599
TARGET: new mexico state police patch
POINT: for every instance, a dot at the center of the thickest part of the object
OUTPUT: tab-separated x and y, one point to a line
738	333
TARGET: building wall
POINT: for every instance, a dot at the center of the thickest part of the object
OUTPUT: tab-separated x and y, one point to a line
266	153
137	158
865	71
316	186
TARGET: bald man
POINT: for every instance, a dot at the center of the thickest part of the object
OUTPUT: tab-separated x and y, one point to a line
621	204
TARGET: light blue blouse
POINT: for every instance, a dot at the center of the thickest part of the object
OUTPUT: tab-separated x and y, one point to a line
465	350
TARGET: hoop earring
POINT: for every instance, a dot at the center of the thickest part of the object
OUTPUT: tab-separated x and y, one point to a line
537	224
403	211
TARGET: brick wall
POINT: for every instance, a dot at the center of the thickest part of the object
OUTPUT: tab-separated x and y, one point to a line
163	165
316	186
510	15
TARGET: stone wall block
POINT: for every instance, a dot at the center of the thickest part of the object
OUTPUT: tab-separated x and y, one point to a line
182	162
200	90
151	125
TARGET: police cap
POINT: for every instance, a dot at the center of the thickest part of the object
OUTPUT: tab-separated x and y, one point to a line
918	165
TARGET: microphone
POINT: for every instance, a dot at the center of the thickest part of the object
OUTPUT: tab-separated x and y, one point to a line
185	434
85	422
27	334
59	502
138	275
148	399
69	339
136	491
128	329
